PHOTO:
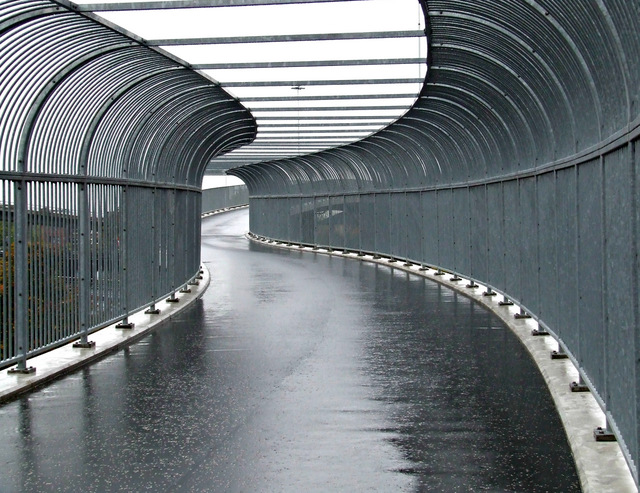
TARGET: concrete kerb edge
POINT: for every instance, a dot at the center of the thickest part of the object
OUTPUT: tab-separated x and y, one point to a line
225	209
108	340
601	466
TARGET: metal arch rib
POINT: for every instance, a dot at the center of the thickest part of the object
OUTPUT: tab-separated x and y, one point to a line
46	92
328	98
338	82
308	63
325	108
91	131
551	74
14	21
116	98
167	95
481	101
209	121
97	80
468	117
284	38
188	4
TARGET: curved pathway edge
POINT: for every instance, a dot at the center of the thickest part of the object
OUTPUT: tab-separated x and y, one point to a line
601	466
66	359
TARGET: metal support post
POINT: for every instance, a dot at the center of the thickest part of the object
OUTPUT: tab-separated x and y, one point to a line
579	386
84	268
489	292
559	353
604	434
153	310
522	314
125	324
472	285
537	332
505	302
21	283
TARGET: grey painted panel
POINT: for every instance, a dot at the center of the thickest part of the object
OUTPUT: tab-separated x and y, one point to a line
139	206
636	295
430	237
566	231
496	246
398	225
367	222
307	212
219	198
547	242
621	292
461	233
413	226
512	237
257	210
478	248
590	267
337	222
382	216
322	220
283	215
352	221
528	244
445	228
295	226
180	232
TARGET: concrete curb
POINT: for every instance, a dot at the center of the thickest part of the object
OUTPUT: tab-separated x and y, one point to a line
66	359
601	466
225	209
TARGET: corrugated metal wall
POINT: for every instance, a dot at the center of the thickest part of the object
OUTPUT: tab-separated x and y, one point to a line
223	197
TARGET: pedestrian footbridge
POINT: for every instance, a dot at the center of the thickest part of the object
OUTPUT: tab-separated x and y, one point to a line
510	161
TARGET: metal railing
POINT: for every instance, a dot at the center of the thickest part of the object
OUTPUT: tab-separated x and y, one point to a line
214	199
103	145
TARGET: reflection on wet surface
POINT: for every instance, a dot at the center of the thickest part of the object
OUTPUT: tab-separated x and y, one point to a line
298	372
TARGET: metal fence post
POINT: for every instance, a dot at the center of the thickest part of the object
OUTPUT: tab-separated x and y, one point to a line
84	274
172	254
152	310
21	266
124	250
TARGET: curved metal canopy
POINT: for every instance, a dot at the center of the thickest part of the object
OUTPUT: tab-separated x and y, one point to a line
512	87
315	74
81	99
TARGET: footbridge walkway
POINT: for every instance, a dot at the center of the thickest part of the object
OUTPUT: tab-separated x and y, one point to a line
514	166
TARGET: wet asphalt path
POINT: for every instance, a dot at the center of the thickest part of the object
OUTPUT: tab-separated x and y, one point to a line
297	372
